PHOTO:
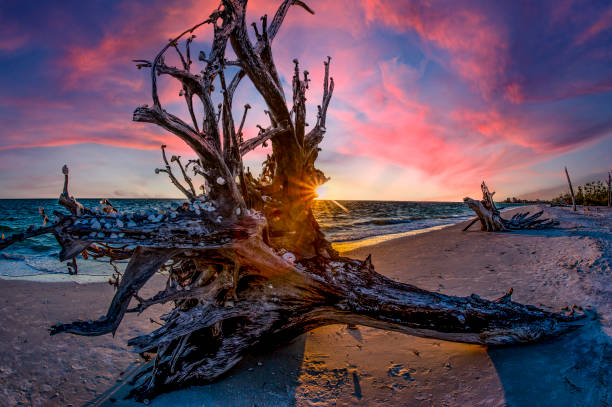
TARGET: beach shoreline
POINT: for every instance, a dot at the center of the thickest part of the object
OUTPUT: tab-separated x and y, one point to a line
334	365
92	271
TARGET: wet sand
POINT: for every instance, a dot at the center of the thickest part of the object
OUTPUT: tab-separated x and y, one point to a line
336	366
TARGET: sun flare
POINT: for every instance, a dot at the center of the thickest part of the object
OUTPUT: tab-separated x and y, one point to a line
321	192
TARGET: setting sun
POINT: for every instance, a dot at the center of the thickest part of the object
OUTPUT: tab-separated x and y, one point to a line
321	192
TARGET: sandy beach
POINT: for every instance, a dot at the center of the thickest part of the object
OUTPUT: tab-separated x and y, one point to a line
337	366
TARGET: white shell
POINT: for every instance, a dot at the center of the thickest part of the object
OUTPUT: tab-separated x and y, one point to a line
96	225
220	181
237	211
131	224
290	257
119	223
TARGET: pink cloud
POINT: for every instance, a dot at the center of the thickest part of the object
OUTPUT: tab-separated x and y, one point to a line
397	128
13	42
603	23
381	108
12	36
141	27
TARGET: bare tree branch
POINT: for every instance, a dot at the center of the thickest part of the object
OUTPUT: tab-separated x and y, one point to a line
315	136
262	137
177	159
175	181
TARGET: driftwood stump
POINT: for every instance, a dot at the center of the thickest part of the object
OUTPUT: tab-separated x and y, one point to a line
491	220
247	263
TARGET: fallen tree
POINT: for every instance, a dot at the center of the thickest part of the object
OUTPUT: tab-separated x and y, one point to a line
247	263
492	221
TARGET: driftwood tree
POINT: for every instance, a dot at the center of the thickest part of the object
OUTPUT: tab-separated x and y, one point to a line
571	189
491	220
247	263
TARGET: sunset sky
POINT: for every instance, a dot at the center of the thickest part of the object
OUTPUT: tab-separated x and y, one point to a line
431	97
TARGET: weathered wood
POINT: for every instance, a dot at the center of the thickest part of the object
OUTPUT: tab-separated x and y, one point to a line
200	344
143	264
571	189
469	225
246	260
492	221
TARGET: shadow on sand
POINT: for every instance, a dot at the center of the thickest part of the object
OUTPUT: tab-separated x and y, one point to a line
574	370
271	374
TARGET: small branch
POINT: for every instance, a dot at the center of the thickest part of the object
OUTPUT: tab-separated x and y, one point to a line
173	179
470	224
188	51
174	44
262	137
246	109
177	159
197	168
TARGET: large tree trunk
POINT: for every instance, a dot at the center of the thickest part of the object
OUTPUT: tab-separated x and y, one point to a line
246	261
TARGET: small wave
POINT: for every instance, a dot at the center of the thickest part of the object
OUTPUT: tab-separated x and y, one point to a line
34	263
13	256
372	221
6	229
339	225
41	248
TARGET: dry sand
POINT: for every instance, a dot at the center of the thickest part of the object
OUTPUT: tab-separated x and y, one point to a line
334	365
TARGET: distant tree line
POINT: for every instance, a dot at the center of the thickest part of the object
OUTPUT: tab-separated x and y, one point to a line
590	194
524	201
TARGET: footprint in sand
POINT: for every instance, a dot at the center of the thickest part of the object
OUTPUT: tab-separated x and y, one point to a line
398	370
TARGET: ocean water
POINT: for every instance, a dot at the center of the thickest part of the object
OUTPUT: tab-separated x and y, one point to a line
346	223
